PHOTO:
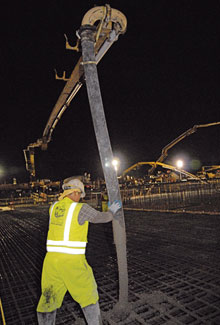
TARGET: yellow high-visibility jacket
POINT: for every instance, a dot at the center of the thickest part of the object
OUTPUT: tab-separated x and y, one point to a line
65	234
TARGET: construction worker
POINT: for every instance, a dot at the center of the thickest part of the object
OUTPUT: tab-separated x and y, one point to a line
65	266
104	199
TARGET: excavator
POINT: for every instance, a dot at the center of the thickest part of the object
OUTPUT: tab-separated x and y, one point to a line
110	23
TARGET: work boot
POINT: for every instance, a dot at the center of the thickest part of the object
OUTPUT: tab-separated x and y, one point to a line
92	314
46	318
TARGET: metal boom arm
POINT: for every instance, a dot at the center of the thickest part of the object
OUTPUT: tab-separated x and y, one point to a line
112	23
190	131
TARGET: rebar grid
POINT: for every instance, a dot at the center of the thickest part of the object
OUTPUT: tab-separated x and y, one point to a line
173	266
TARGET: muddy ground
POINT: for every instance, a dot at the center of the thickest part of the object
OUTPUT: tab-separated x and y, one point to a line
173	268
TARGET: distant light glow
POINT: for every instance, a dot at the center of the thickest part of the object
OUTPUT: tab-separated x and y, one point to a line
179	163
115	163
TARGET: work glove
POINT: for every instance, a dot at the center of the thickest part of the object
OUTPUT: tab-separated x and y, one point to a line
115	206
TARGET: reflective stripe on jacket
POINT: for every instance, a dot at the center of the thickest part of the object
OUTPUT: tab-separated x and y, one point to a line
65	234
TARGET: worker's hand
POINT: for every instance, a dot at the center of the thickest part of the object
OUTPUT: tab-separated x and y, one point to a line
115	206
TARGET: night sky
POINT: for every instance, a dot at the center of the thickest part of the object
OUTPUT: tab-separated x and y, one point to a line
158	80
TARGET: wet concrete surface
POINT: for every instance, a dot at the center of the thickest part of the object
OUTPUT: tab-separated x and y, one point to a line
173	267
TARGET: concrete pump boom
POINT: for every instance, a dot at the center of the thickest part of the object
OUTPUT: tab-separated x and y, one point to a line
185	134
157	163
111	24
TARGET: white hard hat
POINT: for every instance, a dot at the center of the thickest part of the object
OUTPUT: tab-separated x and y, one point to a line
74	184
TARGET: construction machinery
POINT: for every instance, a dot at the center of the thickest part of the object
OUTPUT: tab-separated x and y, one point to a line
209	172
160	177
109	24
164	152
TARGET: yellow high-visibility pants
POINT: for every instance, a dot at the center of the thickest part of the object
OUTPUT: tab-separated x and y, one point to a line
62	272
104	206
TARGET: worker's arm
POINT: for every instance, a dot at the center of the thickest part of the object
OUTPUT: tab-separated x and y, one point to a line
87	213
